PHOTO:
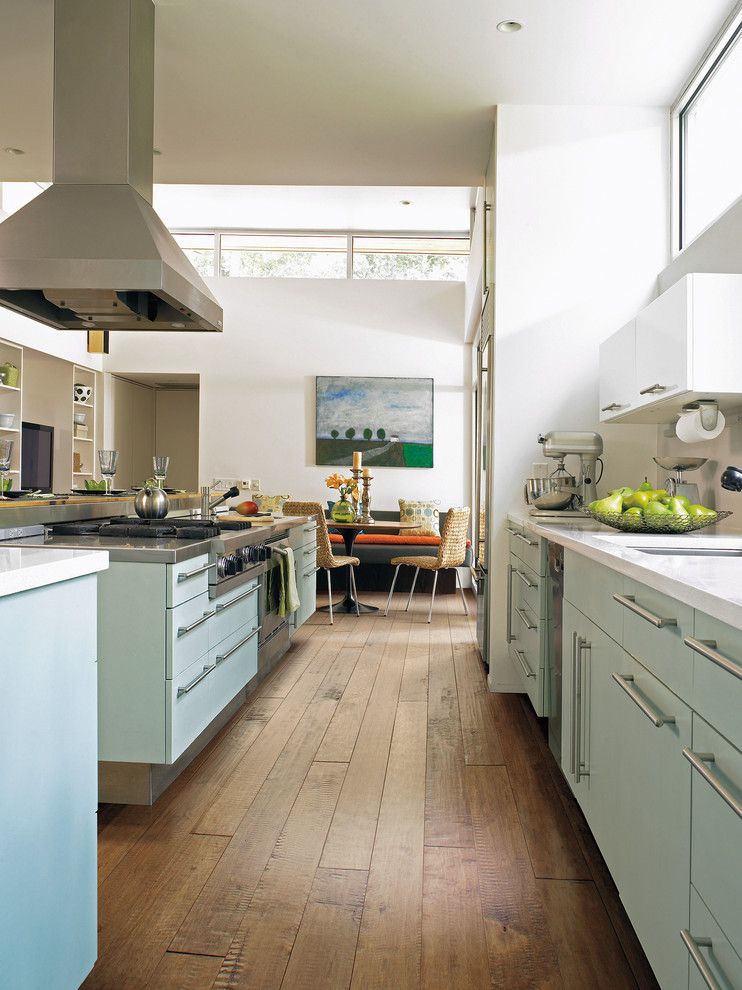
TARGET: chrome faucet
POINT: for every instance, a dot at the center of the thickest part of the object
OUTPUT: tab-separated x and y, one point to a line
208	505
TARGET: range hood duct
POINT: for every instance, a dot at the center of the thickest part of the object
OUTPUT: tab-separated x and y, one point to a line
90	251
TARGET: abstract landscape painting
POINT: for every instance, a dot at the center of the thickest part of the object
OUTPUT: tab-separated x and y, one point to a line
389	419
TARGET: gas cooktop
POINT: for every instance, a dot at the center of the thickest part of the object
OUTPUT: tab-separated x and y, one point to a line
131	527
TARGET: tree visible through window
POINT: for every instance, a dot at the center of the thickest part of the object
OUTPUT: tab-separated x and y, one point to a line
395	258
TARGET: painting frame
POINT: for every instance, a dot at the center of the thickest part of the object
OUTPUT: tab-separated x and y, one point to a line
399	446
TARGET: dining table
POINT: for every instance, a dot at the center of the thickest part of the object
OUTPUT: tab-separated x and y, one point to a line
349	531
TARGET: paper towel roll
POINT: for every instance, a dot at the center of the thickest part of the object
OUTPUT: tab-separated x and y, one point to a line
690	429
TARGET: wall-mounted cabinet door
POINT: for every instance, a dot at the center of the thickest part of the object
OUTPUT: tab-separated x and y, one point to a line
618	388
663	353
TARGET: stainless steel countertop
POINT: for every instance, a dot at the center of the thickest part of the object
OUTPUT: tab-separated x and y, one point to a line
76	508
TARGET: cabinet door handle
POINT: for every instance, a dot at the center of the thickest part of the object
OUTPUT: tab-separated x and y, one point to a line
524	663
693	945
196	680
524	578
524	539
182	630
580	772
625	681
629	602
698	761
653	389
187	575
572	746
240	598
707	648
509	600
225	656
524	619
611	407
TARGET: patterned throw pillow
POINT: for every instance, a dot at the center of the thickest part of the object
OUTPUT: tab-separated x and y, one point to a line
423	513
271	503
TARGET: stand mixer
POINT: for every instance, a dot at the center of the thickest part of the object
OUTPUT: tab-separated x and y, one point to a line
560	444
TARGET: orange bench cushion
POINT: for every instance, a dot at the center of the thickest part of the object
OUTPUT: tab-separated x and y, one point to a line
393	540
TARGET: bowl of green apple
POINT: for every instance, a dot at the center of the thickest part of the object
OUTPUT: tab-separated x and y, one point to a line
652	510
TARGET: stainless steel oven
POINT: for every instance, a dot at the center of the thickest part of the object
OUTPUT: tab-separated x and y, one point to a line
274	629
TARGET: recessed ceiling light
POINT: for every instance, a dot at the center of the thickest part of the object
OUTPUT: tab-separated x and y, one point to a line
156	151
14	151
509	27
405	202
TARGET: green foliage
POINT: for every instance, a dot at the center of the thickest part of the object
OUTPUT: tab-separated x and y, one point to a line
443	267
334	434
381	434
367	434
350	433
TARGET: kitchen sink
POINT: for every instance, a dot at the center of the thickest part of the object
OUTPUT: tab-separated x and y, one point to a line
688	552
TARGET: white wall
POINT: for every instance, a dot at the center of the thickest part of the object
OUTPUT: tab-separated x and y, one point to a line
581	221
257	378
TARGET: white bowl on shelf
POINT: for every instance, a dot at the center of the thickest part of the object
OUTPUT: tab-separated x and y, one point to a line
80	418
7	421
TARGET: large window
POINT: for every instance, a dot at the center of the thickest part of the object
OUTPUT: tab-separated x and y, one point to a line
345	254
709	135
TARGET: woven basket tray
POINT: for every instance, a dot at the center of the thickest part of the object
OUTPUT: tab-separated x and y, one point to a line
667	524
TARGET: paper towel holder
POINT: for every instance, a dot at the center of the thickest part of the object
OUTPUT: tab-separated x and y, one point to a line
709	412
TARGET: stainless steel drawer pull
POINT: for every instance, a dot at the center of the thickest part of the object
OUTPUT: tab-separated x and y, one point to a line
310	573
187	575
524	619
629	602
625	681
653	389
509	605
580	767
524	539
240	598
611	407
182	630
196	680
693	945
707	648
698	761
310	551
524	579
526	669
225	656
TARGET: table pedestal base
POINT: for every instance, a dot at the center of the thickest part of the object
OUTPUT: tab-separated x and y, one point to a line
348	607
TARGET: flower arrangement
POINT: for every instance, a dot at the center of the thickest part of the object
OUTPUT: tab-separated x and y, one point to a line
345	487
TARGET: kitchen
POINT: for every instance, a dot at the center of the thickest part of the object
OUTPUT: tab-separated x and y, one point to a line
541	788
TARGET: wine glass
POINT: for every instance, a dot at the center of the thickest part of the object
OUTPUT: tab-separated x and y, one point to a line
6	452
160	463
108	460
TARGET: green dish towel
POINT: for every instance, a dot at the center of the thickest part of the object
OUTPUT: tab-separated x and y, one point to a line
288	598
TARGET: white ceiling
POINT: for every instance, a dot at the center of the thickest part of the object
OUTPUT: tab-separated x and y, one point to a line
388	92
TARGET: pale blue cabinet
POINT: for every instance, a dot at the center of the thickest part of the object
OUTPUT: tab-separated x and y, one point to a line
713	961
303	541
48	786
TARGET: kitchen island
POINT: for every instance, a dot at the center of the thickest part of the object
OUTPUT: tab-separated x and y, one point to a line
48	753
646	679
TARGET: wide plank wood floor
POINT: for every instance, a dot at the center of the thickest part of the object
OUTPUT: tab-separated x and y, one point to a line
372	818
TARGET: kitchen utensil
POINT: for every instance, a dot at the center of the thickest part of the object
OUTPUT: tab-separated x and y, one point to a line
108	459
6	452
7	420
82	392
151	503
559	444
160	464
79	418
666	524
678	485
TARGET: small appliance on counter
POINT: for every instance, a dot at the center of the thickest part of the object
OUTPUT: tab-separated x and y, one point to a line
562	493
678	485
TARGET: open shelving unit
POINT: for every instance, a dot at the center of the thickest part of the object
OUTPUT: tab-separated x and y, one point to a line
11	403
84	447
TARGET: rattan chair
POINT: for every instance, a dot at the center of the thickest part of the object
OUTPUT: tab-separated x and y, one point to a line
325	557
451	553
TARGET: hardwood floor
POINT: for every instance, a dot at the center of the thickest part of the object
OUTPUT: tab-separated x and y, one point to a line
372	818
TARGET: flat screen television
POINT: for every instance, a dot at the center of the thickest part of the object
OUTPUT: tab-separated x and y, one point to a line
37	456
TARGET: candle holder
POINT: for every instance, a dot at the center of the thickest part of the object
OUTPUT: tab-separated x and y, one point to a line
356	472
366	499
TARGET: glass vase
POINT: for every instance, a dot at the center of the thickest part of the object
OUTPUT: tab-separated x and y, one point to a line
342	511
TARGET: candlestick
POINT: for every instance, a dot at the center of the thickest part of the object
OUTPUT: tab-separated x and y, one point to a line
357	460
356	472
366	479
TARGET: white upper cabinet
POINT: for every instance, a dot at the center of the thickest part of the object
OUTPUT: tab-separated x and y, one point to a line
688	345
618	373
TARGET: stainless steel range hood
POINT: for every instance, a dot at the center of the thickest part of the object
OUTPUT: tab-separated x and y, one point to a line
90	251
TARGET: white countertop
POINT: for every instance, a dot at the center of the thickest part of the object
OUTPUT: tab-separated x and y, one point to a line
711	584
24	568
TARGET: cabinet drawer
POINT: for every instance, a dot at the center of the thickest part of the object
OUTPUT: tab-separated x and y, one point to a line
234	610
717	675
590	587
653	630
186	580
527	547
718	958
305	559
187	633
526	651
303	536
236	662
527	588
189	706
716	828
